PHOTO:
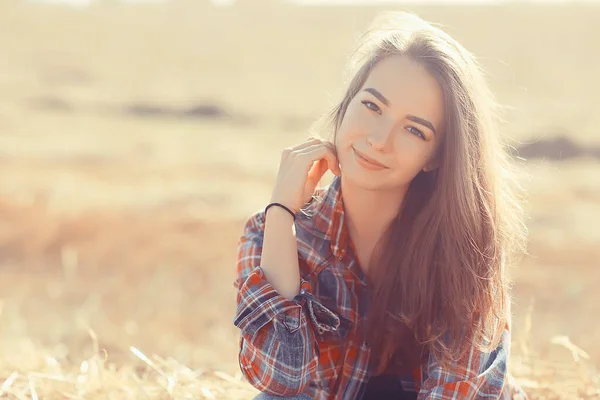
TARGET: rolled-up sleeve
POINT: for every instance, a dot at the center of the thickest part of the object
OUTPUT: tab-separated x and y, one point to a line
278	351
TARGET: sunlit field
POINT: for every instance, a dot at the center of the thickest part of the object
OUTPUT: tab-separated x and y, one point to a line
136	140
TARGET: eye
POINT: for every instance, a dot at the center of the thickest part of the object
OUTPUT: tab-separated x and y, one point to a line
372	106
415	131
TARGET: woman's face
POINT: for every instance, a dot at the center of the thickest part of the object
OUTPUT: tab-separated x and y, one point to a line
392	127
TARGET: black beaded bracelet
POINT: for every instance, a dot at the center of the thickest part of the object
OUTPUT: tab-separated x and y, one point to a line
282	206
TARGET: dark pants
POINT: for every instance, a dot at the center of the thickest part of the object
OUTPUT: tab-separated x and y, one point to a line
384	387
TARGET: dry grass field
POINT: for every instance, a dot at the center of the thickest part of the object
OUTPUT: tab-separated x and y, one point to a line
135	140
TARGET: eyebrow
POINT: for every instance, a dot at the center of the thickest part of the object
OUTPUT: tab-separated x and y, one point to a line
413	118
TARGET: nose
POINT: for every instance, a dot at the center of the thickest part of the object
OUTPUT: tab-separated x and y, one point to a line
379	139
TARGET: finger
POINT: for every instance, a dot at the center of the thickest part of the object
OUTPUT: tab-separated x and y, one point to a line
316	146
315	169
333	161
289	150
316	173
335	165
319	151
314	153
331	146
307	143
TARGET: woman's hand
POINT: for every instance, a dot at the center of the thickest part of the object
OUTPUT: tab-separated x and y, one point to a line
300	170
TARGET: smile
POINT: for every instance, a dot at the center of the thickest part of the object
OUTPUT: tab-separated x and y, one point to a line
367	162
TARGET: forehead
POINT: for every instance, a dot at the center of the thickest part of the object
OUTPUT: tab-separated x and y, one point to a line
409	87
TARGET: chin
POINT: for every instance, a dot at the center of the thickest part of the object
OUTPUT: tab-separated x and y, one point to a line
363	180
368	181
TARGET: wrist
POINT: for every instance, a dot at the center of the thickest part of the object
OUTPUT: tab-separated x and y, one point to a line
280	208
291	205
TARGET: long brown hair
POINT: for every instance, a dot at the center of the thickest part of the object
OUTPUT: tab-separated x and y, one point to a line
440	284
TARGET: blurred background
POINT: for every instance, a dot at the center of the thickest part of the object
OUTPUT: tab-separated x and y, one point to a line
137	137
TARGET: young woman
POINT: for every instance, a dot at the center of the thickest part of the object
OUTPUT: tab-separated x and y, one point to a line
391	281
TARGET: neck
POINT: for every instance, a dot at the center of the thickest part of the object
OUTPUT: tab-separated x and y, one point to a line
369	212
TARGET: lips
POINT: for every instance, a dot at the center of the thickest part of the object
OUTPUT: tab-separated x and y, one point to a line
367	162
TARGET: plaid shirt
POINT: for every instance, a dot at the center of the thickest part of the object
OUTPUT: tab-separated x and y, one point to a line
309	344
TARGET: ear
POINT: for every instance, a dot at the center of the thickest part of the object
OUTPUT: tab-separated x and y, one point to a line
431	166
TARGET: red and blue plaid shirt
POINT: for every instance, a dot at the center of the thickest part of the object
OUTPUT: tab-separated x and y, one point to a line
310	344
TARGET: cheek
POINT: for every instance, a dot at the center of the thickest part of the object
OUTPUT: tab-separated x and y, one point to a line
410	152
353	126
